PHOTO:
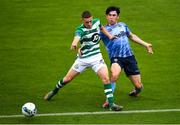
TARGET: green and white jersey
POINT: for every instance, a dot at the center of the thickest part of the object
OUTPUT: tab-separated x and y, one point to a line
89	39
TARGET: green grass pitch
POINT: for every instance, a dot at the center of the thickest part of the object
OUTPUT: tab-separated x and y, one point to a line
35	39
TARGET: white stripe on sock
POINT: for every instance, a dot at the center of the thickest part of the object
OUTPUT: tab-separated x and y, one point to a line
109	95
107	90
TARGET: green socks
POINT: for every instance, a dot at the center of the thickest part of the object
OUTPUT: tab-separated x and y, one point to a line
59	85
109	93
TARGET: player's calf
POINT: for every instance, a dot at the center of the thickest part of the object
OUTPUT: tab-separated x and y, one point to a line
135	92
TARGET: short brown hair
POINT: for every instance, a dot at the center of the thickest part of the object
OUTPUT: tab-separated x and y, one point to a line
86	14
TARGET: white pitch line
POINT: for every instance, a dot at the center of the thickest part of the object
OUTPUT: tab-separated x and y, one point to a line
96	113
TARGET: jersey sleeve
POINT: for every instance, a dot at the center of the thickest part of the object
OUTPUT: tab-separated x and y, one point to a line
98	22
78	33
127	30
102	36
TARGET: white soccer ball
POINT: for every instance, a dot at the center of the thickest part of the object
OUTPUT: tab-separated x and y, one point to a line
29	109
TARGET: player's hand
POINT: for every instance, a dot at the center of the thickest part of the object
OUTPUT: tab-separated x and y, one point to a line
113	37
149	48
73	47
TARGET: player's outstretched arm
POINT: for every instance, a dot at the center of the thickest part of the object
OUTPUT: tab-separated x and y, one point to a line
149	48
138	40
75	43
103	30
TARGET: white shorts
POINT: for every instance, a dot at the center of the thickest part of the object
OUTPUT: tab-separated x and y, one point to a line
95	62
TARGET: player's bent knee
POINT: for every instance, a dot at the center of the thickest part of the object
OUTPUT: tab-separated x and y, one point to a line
106	80
114	77
67	79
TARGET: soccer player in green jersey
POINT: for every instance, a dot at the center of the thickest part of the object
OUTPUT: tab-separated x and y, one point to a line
89	55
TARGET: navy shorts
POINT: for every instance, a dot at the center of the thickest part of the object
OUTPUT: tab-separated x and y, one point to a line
129	64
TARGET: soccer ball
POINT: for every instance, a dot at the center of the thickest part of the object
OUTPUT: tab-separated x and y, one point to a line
29	109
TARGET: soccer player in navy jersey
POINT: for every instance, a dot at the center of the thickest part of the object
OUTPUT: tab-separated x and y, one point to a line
120	52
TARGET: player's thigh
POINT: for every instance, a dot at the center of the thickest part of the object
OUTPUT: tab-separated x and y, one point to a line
98	64
103	74
115	69
71	74
75	70
79	66
103	71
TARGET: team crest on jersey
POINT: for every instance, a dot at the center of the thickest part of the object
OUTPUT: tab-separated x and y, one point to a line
95	37
115	60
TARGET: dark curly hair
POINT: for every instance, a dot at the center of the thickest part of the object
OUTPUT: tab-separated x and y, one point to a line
113	8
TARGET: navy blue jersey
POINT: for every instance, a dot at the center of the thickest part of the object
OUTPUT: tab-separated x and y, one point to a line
119	47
